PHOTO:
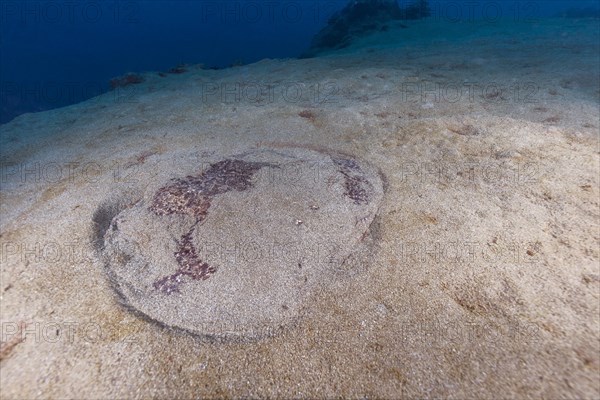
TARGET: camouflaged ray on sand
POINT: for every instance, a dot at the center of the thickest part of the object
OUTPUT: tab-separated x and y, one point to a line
234	250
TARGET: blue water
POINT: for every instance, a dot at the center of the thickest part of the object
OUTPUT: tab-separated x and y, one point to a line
55	53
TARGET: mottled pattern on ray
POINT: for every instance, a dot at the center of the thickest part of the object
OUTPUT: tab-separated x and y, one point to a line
192	196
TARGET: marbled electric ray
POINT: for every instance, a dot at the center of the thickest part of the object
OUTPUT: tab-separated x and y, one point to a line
233	250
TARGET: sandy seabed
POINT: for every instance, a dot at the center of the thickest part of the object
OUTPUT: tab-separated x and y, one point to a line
482	279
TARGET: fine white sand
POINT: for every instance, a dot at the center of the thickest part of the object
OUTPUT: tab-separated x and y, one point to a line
483	278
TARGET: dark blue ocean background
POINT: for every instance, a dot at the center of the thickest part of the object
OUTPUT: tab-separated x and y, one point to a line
55	53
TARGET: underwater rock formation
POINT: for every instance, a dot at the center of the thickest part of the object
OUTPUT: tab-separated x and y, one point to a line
125	80
578	13
360	18
234	251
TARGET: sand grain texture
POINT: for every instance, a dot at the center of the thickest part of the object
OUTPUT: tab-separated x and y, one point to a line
481	275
